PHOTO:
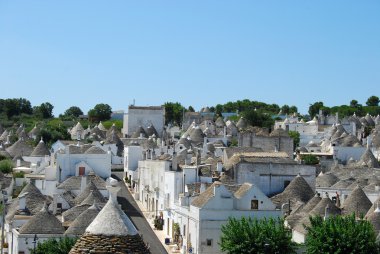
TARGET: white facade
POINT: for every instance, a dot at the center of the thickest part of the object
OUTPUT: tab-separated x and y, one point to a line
152	184
69	164
200	227
132	156
23	243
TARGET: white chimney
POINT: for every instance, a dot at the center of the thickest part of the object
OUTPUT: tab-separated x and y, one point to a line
22	201
113	189
219	166
369	141
202	188
83	183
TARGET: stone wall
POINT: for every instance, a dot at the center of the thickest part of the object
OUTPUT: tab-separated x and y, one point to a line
267	144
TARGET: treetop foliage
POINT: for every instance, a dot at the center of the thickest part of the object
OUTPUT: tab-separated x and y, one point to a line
252	235
54	246
354	106
340	234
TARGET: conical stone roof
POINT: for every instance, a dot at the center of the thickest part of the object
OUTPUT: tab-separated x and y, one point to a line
4	135
369	120
101	126
94	150
326	180
297	191
79	225
220	122
94	197
42	223
319	209
90	187
112	221
34	201
141	130
242	123
20	148
374	218
196	135
357	202
34	131
368	160
40	150
150	131
76	128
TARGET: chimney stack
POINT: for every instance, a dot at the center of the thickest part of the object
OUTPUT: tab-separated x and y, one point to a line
83	183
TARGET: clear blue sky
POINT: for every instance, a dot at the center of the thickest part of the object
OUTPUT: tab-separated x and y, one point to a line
196	52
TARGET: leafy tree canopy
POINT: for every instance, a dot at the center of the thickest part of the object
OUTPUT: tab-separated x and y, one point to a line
13	107
373	101
251	235
173	113
45	110
6	166
258	118
338	234
101	112
54	246
296	138
73	111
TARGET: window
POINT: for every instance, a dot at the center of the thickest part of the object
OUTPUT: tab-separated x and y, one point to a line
184	230
59	205
254	204
209	242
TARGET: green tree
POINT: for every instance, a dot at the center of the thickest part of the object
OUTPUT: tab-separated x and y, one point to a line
354	103
258	118
251	235
296	138
218	109
285	109
45	110
6	166
293	109
191	109
373	101
52	131
173	112
338	234
101	112
54	246
14	107
310	159
73	111
314	108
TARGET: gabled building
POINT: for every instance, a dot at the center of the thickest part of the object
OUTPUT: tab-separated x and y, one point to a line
200	217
